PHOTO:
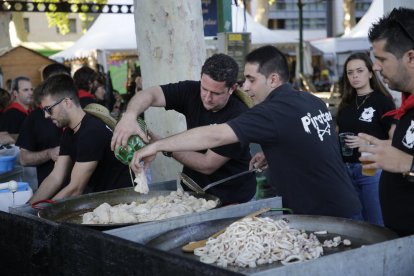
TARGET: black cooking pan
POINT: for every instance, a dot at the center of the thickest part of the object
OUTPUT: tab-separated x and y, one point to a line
71	210
358	232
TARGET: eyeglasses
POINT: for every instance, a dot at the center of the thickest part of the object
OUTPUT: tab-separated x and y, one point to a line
48	109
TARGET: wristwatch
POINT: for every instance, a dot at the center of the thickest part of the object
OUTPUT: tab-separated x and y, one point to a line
410	174
169	154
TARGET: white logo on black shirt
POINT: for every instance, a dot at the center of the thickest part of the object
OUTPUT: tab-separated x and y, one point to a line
320	122
408	139
367	114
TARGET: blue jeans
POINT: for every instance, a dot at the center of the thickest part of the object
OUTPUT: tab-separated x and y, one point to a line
368	192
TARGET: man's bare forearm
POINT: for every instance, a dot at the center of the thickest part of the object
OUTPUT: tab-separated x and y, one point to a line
199	138
49	187
6	138
144	99
34	158
198	161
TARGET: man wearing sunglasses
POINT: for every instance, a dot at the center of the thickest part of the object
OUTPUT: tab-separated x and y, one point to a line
13	116
85	156
39	137
392	39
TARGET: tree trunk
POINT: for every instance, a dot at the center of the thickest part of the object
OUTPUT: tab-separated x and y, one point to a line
247	5
349	15
262	12
5	18
170	41
19	25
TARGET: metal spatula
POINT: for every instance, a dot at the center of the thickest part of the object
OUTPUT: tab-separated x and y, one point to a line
196	188
191	184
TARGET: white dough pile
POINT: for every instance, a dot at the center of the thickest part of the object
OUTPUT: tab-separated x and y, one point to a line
256	241
161	207
142	183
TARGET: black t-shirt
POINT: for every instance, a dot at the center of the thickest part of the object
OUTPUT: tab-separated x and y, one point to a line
92	142
396	192
367	119
85	98
38	133
297	135
184	97
11	120
85	101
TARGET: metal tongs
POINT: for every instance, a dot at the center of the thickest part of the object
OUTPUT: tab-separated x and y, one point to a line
196	188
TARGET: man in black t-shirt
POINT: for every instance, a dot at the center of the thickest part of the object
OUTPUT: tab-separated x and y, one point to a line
14	114
296	132
39	138
392	39
39	143
85	156
206	102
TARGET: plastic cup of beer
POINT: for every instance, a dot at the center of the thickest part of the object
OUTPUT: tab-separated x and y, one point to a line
367	172
346	151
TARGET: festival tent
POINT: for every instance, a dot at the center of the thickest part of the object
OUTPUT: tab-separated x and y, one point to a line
116	32
243	22
373	14
109	33
357	38
112	36
337	49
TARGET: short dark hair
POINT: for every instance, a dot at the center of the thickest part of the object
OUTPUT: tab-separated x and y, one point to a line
58	86
55	69
270	60
84	77
5	98
221	67
15	82
397	29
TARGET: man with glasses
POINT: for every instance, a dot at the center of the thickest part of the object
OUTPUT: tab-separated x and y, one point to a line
13	115
39	137
208	101
85	156
392	39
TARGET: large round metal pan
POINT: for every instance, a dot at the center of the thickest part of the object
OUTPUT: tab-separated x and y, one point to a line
359	233
71	210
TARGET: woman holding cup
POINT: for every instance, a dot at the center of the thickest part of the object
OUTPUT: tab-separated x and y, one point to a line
364	101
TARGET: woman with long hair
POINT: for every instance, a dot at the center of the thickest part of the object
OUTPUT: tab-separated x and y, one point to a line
364	101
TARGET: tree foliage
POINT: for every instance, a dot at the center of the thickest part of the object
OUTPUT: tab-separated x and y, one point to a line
61	19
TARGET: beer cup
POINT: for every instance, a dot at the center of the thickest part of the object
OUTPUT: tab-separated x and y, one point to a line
367	172
346	151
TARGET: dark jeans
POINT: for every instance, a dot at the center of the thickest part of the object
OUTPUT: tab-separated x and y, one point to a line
368	192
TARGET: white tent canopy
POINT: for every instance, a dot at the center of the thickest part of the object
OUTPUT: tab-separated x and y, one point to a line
116	32
357	38
109	32
341	45
260	34
373	14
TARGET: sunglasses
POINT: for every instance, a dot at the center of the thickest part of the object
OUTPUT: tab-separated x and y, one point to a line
48	109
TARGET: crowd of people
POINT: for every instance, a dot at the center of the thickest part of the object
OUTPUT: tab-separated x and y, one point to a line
70	158
72	148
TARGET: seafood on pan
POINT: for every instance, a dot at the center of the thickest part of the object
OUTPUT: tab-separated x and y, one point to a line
177	203
256	241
